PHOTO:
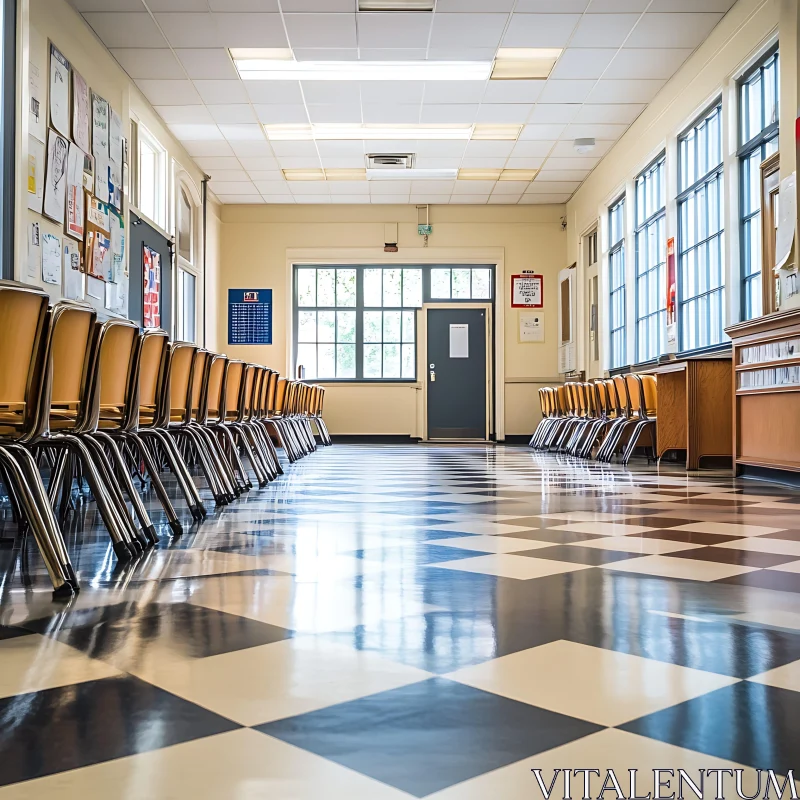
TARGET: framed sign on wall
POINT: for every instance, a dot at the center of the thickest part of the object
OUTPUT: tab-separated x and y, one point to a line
527	290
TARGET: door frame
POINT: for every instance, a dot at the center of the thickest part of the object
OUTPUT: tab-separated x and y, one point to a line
422	355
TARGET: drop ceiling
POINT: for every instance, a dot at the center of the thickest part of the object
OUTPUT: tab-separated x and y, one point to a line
617	54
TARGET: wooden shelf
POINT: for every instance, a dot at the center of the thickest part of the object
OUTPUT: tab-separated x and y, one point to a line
783	362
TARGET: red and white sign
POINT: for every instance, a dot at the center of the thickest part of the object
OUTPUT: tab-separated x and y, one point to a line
527	291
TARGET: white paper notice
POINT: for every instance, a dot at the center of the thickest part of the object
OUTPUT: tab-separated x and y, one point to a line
459	341
75	196
117	296
36	109
531	326
51	258
787	219
34	250
59	91
95	288
80	111
99	128
56	179
35	174
115	137
73	277
117	246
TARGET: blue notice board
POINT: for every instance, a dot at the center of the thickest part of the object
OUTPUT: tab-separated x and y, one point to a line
249	316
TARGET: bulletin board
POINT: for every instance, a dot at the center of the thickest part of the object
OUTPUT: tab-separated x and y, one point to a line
249	316
527	290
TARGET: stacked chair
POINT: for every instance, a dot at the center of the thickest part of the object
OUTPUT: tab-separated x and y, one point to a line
108	405
599	418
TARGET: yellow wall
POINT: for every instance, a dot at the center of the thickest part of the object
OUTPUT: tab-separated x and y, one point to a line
255	241
745	32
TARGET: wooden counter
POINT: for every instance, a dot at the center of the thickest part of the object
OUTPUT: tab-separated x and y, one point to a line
766	386
694	408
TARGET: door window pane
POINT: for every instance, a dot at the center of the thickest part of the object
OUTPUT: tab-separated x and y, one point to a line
185	220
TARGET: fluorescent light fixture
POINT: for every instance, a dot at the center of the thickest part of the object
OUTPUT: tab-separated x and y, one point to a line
272	69
304	174
479	174
524	63
263	53
395	5
411	174
346	174
517	175
357	131
497	132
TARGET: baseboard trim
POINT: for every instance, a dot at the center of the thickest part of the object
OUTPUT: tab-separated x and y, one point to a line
516	438
770	474
373	438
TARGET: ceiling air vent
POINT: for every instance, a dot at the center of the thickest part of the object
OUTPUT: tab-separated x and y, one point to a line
390	161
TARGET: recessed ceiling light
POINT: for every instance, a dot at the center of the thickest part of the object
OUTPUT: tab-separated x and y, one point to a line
346	174
411	174
263	53
395	5
517	175
273	69
501	132
304	174
524	63
479	174
334	131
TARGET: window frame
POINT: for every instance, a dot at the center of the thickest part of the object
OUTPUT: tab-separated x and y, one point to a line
616	248
715	173
145	136
182	187
360	307
180	304
660	268
746	149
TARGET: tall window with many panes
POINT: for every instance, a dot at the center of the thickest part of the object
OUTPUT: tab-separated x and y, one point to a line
616	284
701	305
758	139
651	245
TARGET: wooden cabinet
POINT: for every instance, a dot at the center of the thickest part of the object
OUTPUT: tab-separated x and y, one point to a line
766	385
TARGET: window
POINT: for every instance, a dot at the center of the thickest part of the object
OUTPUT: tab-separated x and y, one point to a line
651	245
700	233
187	303
758	139
152	182
185	225
616	273
360	322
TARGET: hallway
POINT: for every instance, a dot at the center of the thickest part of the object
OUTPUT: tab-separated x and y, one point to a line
416	621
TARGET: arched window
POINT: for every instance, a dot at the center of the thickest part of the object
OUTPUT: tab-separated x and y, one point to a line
187	284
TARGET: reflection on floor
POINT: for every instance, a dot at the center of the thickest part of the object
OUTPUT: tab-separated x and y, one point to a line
395	622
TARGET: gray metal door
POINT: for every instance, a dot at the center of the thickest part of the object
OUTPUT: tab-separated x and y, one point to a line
456	373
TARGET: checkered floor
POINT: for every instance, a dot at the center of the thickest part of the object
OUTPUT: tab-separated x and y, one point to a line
420	621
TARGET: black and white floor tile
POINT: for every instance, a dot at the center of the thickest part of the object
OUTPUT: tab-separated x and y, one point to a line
392	622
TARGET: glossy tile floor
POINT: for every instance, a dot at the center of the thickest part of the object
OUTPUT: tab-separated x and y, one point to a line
420	621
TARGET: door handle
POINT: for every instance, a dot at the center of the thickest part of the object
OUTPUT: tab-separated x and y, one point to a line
433	376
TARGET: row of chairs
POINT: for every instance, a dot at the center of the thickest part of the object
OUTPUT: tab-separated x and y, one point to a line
599	418
107	404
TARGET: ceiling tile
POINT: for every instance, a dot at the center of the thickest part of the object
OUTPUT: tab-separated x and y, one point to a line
566	149
388	113
240	199
528	149
437	163
281	114
543	132
177	5
455	53
389	187
266	175
144	63
304	149
207	149
461	6
209	63
208	163
433	186
439	92
389	199
524	163
125	29
429	199
388	146
273	187
562	92
470	199
576	162
620	91
237	112
187	132
347	162
325	53
318	5
393	29
380	92
278	199
467	30
352	199
553	113
349	187
259	163
309	187
255	155
448	114
543	6
228	175
234	187
107	5
489	149
278	92
595	130
338	112
540	30
577	62
298	162
473	187
242	132
476	162
244	5
503	199
647	63
513	91
321	30
618	6
222	30
221	92
511	187
386	54
331	92
611	113
433	149
552	187
177	114
334	149
169	93
544	199
673	30
692	5
560	175
504	113
603	30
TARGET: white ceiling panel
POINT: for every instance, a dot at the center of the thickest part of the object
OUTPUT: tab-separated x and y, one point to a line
578	63
449	114
389	113
464	53
222	30
489	149
331	92
389	199
546	6
325	54
321	30
255	155
278	199
513	91
240	199
244	5
221	92
473	187
170	93
237	112
467	30
274	92
349	187
673	30
542	132
387	54
503	199
647	63
524	163
531	149
544	199
394	30
603	30
266	175
333	149
213	149
242	133
351	199
552	113
273	187
309	187
437	163
146	63
338	112
293	162
540	30
573	162
566	149
177	5
388	187
434	149
631	91
209	163
236	187
125	29
202	133
511	187
611	113
438	92
281	114
307	149
618	6
479	162
380	92
429	199
107	5
504	113
433	187
564	92
347	162
228	176
207	63
181	114
561	175
552	187
693	6
469	199
595	130
463	6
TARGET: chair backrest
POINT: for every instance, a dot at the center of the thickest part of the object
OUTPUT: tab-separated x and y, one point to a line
181	362
116	348
634	392
152	374
649	395
23	321
202	361
215	391
248	388
233	390
621	386
561	399
280	396
601	398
